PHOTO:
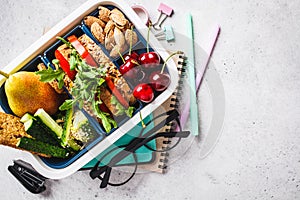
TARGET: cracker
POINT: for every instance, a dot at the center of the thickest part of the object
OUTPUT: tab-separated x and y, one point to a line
11	129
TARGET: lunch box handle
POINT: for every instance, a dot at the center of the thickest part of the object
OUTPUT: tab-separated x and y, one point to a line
27	176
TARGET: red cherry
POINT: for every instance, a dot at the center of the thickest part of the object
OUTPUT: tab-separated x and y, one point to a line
135	74
128	65
143	92
149	60
159	81
133	55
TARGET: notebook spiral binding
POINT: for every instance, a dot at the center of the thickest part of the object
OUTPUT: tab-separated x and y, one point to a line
174	104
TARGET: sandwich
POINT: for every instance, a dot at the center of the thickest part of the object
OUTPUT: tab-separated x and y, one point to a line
92	79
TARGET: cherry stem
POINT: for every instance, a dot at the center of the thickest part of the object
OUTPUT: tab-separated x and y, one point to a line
135	62
120	54
170	56
4	74
143	124
130	45
148	35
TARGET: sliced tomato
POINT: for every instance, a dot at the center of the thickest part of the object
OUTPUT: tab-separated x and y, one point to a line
64	64
116	92
85	55
102	106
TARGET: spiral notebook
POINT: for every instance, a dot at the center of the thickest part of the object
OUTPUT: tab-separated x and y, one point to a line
160	161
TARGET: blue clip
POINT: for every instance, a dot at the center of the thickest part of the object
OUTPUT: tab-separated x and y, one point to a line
166	34
169	33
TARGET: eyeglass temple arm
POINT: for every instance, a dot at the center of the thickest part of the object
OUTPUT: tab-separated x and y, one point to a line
97	171
180	134
132	146
171	116
106	178
138	142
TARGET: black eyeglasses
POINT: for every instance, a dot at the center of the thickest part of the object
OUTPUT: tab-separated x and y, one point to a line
103	168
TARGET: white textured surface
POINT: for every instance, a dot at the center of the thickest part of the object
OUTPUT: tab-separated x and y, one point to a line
257	58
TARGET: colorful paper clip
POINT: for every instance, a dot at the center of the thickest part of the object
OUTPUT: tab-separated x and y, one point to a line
165	11
167	34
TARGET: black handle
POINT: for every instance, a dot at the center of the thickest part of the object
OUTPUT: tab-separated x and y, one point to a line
27	176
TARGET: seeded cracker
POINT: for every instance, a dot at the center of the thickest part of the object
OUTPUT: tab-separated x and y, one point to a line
11	129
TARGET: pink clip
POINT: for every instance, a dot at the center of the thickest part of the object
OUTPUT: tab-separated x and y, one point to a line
164	10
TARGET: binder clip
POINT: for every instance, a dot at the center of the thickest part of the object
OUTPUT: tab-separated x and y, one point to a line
167	34
165	11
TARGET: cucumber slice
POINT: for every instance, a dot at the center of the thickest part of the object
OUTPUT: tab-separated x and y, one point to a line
33	145
26	117
67	127
65	138
33	128
46	121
